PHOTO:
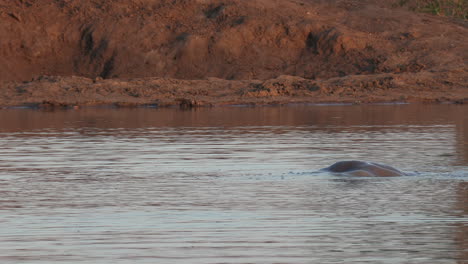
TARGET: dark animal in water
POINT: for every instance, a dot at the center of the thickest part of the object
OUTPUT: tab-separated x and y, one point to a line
365	169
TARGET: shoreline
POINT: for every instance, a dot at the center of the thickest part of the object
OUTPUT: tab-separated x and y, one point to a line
47	92
48	106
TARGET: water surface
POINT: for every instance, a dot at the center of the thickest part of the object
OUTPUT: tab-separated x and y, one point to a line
233	185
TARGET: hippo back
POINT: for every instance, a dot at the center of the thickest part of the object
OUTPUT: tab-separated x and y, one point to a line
362	168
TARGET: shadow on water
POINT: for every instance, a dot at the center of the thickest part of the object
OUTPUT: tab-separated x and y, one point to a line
462	137
367	118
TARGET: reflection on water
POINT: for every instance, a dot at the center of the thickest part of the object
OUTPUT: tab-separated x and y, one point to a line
233	185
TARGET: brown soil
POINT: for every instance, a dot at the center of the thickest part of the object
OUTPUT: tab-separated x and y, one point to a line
211	52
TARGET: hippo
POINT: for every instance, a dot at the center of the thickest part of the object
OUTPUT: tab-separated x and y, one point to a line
363	168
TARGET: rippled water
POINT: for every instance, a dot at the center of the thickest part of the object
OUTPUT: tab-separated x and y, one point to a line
233	185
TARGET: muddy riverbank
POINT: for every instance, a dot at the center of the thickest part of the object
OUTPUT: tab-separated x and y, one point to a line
211	52
49	91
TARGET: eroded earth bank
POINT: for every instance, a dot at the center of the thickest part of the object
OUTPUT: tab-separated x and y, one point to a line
210	52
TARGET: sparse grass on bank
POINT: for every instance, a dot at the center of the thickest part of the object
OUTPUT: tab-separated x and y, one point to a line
451	8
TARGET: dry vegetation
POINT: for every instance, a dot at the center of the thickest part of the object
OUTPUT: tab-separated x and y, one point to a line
451	8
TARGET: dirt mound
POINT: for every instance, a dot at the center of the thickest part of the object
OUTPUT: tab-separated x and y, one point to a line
228	39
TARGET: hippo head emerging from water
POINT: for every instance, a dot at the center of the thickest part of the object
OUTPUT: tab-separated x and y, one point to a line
362	168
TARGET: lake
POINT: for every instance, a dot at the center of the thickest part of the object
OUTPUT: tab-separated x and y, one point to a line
233	185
